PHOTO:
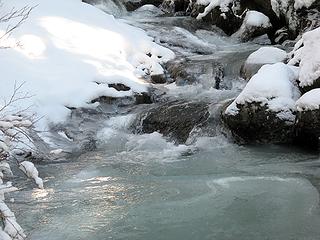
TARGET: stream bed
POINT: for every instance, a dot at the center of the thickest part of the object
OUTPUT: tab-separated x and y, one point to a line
144	187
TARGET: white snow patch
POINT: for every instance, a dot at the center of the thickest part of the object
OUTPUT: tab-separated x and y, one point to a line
267	55
309	100
257	19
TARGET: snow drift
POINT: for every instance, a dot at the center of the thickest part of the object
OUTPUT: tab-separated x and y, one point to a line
69	52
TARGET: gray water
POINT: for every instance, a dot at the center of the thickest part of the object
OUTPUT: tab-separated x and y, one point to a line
143	187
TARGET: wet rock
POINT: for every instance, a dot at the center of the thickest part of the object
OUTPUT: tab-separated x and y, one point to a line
257	124
158	78
175	6
186	71
143	98
118	101
308	128
173	119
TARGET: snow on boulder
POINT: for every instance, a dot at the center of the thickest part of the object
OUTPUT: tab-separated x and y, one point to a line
264	55
306	54
68	58
264	110
309	101
255	24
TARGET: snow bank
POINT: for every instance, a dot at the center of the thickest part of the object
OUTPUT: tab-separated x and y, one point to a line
265	55
273	86
309	101
31	171
211	4
70	51
307	54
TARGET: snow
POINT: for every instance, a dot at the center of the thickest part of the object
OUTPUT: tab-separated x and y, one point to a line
257	19
303	3
309	101
307	53
273	86
31	171
265	55
12	228
211	4
63	54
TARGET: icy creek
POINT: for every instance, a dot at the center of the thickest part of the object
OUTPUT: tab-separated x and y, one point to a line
143	187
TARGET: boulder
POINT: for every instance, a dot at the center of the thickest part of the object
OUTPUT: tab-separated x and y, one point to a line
307	128
255	123
264	55
255	24
173	119
158	78
265	110
308	119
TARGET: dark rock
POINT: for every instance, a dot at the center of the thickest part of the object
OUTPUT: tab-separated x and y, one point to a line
119	87
257	124
249	69
175	6
143	98
119	101
314	85
158	78
229	21
174	119
308	128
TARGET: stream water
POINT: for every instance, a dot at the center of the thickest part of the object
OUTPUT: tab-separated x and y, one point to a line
143	187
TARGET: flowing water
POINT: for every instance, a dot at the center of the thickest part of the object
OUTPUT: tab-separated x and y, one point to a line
143	187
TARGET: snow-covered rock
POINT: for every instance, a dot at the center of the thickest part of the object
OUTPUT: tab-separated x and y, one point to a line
264	55
264	110
255	24
306	54
68	58
222	13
